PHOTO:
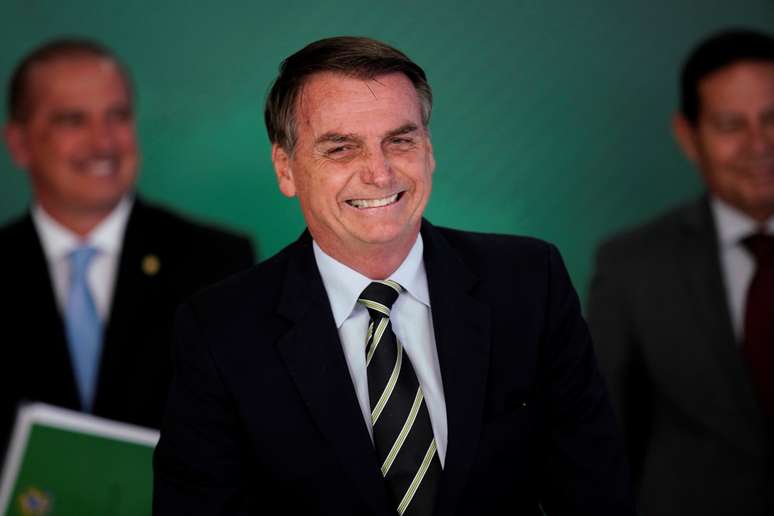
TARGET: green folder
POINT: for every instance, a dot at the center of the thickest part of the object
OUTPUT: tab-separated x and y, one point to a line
62	462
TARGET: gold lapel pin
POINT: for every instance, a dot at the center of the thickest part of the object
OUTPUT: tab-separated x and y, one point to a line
151	264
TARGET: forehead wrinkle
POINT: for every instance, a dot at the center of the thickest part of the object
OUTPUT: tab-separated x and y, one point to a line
313	106
370	89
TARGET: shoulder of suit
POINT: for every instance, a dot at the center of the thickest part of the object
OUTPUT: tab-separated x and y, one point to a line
154	218
490	258
654	237
494	245
15	238
14	227
257	288
166	221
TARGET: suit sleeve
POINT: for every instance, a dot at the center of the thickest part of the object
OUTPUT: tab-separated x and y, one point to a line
616	346
586	471
198	466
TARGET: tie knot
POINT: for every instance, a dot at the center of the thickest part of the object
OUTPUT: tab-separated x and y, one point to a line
80	258
761	246
379	296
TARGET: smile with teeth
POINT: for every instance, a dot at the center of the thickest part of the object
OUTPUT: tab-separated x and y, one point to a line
374	203
99	167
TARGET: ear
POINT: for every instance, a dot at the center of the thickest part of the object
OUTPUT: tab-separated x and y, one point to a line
685	134
281	160
16	141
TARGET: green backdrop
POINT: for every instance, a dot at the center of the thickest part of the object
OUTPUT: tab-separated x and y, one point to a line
551	118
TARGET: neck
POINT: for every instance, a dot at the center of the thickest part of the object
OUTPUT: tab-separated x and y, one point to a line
760	213
375	261
761	217
80	222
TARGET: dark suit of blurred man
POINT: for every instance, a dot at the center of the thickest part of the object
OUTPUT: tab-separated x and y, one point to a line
682	309
92	335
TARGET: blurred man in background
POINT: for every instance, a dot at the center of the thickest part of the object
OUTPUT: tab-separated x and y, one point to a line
92	274
682	308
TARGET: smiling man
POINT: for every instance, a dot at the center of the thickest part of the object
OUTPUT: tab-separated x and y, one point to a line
92	273
682	308
379	364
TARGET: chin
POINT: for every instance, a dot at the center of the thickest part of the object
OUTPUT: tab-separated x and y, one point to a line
392	236
103	204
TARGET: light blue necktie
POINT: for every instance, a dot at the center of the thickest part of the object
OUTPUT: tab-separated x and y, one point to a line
83	326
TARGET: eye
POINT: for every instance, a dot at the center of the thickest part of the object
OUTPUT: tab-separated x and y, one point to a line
121	115
729	125
401	142
339	149
69	119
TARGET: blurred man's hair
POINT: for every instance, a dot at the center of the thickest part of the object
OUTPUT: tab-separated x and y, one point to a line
19	98
358	57
720	50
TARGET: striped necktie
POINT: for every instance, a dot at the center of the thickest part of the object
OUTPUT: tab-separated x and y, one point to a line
403	435
83	326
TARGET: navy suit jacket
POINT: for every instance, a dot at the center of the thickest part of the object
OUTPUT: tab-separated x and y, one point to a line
135	366
263	418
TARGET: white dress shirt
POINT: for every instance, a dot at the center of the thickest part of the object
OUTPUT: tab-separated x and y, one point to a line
107	237
412	323
736	261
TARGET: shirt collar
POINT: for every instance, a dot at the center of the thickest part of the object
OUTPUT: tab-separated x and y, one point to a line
733	225
107	237
344	285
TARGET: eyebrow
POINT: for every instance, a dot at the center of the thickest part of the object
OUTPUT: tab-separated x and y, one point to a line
404	129
334	137
65	113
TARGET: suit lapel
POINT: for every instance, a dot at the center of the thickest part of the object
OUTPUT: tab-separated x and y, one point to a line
700	266
462	334
312	354
134	296
50	341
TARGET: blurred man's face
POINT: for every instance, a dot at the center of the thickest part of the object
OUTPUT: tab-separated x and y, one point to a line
362	164
733	141
78	141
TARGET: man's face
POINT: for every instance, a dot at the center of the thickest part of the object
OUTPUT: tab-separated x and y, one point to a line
78	141
733	141
362	164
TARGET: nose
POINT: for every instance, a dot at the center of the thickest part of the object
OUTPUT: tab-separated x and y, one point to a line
103	138
377	169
